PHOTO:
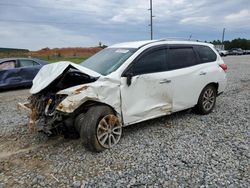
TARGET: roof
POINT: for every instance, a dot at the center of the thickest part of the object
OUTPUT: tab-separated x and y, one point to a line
134	44
12	58
138	44
25	58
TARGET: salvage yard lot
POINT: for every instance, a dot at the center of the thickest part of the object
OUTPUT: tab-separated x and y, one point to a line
183	149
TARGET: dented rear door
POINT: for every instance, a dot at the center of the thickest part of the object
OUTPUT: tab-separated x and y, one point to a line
9	75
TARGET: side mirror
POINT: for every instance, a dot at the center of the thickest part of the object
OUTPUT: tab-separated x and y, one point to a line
129	78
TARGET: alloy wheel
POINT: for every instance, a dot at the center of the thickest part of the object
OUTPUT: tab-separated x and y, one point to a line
208	99
109	131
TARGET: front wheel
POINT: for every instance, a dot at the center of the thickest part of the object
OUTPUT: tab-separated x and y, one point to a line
99	128
207	100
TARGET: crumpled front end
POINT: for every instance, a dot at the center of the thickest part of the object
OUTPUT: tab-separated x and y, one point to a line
55	105
43	114
44	100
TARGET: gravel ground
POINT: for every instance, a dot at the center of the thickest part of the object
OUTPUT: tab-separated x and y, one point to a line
180	150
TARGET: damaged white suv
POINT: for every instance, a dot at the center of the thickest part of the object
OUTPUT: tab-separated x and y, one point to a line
125	84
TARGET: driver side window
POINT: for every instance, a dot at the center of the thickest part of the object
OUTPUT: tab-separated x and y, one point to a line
151	62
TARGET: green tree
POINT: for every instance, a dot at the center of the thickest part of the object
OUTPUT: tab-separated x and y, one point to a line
235	43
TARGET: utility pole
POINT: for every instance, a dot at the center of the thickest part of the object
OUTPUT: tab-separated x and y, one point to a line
223	35
151	19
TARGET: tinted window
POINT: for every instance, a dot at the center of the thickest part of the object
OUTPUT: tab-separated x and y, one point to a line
154	61
7	65
206	54
26	63
178	58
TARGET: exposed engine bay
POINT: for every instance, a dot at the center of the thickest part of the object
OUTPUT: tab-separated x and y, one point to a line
44	116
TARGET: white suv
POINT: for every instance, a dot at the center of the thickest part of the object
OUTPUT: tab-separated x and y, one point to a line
125	84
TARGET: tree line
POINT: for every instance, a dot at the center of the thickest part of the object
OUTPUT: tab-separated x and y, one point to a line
242	43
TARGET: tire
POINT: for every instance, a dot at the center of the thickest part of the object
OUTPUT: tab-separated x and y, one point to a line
77	123
94	132
207	100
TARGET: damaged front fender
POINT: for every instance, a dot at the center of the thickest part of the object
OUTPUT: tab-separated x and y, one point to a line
106	91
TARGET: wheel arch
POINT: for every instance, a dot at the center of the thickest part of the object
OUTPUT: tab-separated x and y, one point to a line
89	103
215	84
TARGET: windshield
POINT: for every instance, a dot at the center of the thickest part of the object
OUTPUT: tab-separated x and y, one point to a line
108	60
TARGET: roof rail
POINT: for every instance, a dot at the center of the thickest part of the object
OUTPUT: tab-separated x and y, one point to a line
152	41
178	39
169	39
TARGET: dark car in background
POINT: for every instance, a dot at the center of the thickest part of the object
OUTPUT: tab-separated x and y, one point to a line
18	72
246	52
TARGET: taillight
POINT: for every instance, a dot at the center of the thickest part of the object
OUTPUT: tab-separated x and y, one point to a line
224	67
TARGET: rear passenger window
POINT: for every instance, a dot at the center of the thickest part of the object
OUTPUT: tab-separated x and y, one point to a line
26	63
151	62
178	58
206	54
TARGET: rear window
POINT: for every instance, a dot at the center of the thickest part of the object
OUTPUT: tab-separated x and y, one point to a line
206	54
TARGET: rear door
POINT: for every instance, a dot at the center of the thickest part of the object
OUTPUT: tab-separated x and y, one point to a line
28	70
189	72
183	71
149	94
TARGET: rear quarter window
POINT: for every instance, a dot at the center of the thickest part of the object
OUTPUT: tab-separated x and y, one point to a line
206	54
27	63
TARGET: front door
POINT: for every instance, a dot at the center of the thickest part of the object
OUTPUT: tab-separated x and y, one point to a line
149	94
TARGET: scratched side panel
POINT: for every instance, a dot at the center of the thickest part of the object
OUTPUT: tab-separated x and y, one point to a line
10	78
146	97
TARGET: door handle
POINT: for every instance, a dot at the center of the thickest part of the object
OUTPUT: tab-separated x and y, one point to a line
203	73
165	81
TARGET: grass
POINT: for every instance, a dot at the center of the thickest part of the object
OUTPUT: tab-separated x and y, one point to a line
72	59
52	59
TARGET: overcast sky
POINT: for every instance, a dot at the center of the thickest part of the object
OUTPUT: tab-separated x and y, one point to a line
35	24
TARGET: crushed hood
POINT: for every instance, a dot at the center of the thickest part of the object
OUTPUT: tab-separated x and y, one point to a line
50	72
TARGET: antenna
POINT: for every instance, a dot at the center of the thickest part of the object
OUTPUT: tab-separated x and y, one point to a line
190	37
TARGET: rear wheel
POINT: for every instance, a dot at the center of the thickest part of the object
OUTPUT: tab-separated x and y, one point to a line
99	128
207	100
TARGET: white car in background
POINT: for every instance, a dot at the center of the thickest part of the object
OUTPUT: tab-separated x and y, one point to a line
222	52
125	84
